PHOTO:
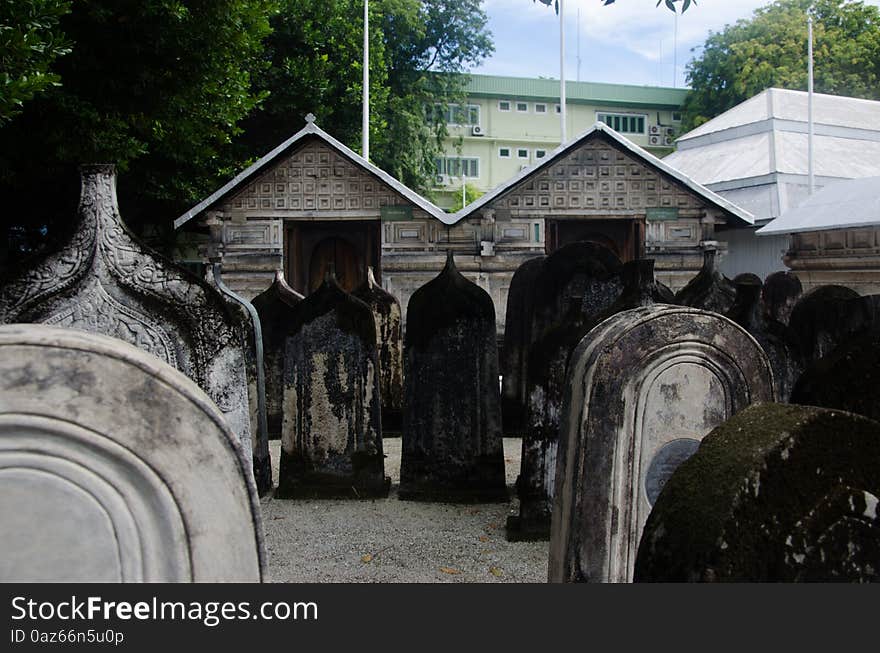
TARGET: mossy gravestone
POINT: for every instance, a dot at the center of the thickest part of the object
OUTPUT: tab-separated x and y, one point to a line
331	439
709	290
276	306
452	447
389	342
779	295
821	320
646	386
548	363
777	493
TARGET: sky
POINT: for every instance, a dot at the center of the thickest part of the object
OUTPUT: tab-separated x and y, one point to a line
628	42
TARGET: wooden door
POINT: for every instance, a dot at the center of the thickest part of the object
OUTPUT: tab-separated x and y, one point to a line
343	257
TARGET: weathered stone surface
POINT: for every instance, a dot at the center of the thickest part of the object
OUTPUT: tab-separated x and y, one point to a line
275	306
777	340
389	343
517	340
780	293
709	290
105	281
331	440
646	386
777	493
115	467
821	321
548	363
452	448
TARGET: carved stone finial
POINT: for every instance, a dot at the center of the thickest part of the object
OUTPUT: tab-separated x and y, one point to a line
310	118
371	277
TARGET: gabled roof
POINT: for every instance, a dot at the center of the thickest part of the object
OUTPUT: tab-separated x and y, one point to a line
638	152
312	130
842	205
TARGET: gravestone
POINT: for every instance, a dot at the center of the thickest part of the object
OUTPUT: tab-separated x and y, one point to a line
646	385
389	343
452	447
104	280
517	340
821	321
331	437
709	290
780	293
776	339
776	494
275	306
114	467
547	368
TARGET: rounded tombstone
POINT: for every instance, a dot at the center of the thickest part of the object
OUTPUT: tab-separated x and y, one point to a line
331	433
776	493
645	386
709	290
820	320
452	447
114	467
780	293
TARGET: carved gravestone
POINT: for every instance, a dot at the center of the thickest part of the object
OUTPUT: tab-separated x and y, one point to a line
821	321
776	339
105	281
517	340
780	293
389	343
275	306
777	493
709	290
646	386
548	364
452	447
331	438
114	467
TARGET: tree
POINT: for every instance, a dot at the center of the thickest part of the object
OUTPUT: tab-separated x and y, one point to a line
770	50
29	42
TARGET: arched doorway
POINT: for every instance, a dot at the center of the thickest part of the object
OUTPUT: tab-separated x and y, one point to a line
343	257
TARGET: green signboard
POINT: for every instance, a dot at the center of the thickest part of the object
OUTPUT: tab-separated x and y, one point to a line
661	213
396	213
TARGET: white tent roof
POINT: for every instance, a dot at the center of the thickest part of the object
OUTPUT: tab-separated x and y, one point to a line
842	205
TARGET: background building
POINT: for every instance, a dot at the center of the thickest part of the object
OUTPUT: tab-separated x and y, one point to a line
509	123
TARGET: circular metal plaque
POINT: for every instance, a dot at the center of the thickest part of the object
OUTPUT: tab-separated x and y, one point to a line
665	462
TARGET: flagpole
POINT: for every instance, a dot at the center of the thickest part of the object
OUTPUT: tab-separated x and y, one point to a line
562	72
810	105
366	108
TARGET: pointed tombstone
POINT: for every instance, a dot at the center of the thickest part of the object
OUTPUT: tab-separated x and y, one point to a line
104	280
777	340
115	467
780	293
646	386
709	290
776	494
452	447
387	315
275	306
331	437
820	320
548	364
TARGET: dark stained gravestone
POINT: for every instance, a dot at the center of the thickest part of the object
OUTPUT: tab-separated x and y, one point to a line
452	447
709	290
548	363
776	339
821	321
115	467
777	493
780	293
104	280
387	315
517	340
331	441
275	306
646	386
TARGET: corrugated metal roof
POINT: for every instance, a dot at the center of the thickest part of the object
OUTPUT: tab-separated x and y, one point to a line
841	205
592	92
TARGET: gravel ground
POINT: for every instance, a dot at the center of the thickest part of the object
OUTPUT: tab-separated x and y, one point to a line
393	541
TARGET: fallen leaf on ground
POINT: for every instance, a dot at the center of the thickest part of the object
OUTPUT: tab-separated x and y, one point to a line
484	538
474	511
450	570
493	526
495	571
367	557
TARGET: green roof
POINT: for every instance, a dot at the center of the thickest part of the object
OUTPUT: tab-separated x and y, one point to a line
578	92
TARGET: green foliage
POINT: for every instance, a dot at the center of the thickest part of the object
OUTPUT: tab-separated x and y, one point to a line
30	41
770	50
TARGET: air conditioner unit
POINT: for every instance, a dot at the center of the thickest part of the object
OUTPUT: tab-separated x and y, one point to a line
669	140
476	130
441	180
670	131
655	140
654	129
